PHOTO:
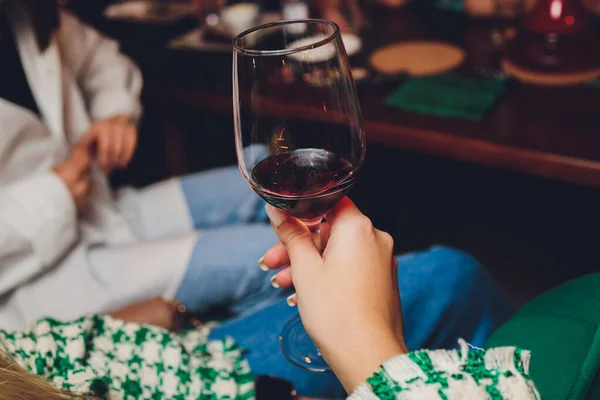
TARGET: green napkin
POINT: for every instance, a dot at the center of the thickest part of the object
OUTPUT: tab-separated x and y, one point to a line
448	95
449	5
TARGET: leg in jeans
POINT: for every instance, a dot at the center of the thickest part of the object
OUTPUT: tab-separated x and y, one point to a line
223	273
204	200
221	196
222	270
445	296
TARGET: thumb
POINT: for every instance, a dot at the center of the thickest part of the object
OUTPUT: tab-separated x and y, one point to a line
295	237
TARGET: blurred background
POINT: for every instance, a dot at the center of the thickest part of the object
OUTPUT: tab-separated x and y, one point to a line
482	117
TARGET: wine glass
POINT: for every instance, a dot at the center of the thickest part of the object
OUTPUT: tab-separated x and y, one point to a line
298	129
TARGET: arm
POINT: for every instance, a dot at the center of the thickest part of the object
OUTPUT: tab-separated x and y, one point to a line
111	82
111	85
354	317
453	375
38	217
38	224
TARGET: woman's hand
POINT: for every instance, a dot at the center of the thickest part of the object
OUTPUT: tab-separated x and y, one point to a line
347	297
116	139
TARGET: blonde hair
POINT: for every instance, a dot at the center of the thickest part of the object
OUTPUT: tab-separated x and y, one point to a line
18	384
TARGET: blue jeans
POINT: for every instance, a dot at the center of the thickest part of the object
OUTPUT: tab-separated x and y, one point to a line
446	294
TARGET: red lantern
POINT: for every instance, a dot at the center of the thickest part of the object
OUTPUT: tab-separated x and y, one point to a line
557	37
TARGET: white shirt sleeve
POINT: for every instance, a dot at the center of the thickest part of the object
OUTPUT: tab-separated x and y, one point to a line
110	81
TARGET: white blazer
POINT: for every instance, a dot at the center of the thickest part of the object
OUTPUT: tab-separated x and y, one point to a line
44	247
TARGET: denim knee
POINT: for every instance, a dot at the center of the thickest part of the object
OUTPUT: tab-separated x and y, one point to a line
447	295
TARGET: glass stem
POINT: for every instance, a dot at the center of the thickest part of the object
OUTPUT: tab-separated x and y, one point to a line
314	225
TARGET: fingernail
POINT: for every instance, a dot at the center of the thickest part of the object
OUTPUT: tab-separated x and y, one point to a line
274	282
277	217
262	265
292	300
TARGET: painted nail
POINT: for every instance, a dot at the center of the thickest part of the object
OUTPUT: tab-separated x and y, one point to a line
277	217
292	300
262	265
274	282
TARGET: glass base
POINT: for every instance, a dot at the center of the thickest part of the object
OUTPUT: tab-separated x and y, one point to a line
299	349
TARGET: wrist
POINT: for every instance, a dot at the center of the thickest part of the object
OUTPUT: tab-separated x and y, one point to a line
357	358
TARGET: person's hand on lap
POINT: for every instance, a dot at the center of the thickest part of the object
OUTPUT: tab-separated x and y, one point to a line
347	297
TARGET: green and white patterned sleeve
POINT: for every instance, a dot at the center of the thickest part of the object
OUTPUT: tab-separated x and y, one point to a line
53	350
467	373
106	358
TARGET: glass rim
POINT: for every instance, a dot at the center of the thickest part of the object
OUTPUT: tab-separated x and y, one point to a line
284	52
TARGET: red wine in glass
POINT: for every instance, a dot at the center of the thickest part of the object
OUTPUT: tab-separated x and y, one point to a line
300	166
305	183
